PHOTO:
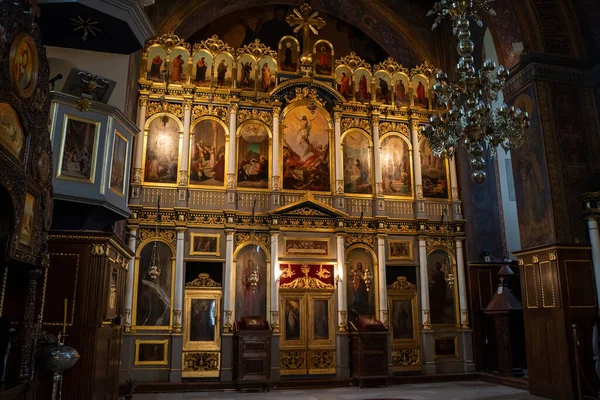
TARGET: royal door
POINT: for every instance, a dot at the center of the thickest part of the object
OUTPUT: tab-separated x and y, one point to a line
307	319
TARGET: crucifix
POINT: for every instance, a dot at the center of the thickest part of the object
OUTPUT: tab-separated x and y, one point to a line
309	21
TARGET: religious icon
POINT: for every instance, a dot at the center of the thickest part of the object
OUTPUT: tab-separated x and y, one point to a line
321	319
207	159
28	214
433	172
300	247
151	352
400	250
162	152
117	170
402	319
203	320
246	73
441	295
203	64
23	65
204	244
357	163
420	87
306	150
224	69
292	320
267	76
153	301
251	300
253	156
156	63
289	51
401	96
11	131
383	88
344	82
363	86
395	166
360	300
78	149
178	64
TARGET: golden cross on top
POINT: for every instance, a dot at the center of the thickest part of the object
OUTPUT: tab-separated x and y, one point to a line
309	21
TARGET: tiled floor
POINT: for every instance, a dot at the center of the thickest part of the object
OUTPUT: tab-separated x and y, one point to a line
468	390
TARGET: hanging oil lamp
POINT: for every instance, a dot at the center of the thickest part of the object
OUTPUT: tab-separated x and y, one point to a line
368	278
154	268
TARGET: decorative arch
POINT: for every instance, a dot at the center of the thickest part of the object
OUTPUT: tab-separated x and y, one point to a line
330	94
156	164
352	280
154	293
211	172
397	170
254	152
354	158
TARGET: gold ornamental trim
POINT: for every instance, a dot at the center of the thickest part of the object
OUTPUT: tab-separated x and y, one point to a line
402	284
201	364
439	242
304	93
307	211
254	114
360	123
353	61
203	281
167	235
257	237
426	69
387	126
257	49
202	110
307	282
391	66
155	107
369	240
168	40
214	45
406	357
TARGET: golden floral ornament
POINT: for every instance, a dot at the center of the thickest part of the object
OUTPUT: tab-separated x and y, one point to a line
228	325
353	62
255	237
308	212
439	242
427	69
308	282
360	123
200	361
254	114
304	93
214	45
369	240
257	49
287	272
406	357
402	284
392	126
203	281
168	40
391	66
167	235
201	110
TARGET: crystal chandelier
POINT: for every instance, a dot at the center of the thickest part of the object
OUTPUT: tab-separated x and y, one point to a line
469	117
154	268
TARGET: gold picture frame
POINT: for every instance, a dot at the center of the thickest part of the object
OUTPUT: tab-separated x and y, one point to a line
403	298
400	250
449	354
294	247
202	320
63	173
141	342
23	65
112	184
314	300
210	246
293	302
27	225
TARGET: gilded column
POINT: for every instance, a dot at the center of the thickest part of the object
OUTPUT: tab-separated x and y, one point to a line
275	281
229	285
383	309
139	141
462	288
232	146
276	185
185	148
339	179
130	280
377	156
595	242
340	280
453	178
424	284
178	295
414	129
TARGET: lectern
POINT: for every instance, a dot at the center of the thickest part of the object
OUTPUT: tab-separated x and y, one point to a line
369	350
253	353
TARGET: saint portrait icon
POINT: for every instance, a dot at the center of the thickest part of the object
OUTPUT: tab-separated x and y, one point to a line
23	67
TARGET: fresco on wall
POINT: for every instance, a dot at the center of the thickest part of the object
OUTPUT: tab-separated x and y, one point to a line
306	150
253	156
358	177
534	207
433	172
207	160
395	166
267	23
251	301
162	152
153	307
360	300
441	295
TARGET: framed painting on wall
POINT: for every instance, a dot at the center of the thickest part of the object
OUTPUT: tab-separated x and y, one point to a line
151	352
77	158
302	247
119	160
27	224
205	244
11	131
400	250
23	65
201	322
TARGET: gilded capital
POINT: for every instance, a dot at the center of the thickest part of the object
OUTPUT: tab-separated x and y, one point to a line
187	105
276	111
375	120
414	125
233	108
143	101
337	116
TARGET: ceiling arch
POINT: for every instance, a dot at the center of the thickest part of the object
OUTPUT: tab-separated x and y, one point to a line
393	33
